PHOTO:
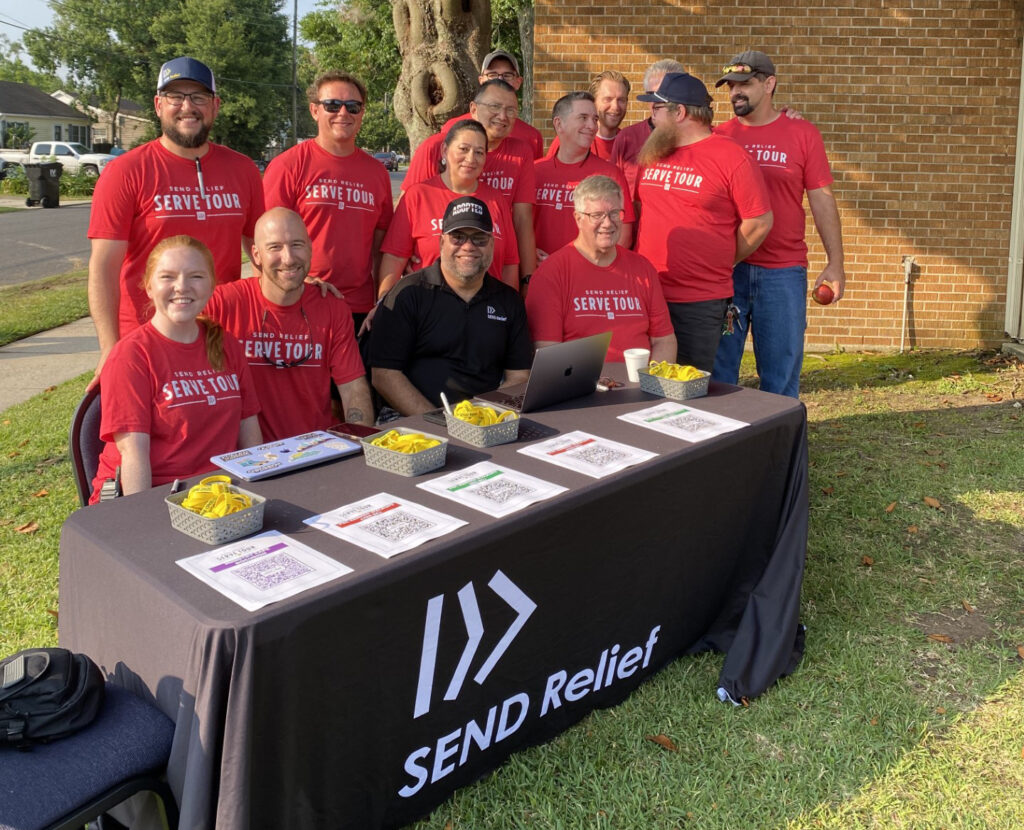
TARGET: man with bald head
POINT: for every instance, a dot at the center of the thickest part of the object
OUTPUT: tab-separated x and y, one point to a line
296	339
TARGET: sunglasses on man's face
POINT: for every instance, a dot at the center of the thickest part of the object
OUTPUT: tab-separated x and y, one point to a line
334	105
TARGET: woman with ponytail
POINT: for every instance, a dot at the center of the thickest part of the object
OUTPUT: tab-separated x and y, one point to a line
177	390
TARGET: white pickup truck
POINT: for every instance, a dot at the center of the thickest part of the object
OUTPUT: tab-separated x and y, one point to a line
72	155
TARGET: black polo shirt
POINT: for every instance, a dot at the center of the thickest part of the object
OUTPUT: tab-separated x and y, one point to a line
443	343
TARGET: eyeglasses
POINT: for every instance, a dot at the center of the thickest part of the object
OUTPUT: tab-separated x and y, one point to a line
738	67
352	107
656	107
507	77
459	238
290	364
495	109
176	99
598	216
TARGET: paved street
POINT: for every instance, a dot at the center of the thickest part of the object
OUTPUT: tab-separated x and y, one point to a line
39	243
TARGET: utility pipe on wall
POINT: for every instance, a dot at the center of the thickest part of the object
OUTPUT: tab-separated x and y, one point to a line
908	270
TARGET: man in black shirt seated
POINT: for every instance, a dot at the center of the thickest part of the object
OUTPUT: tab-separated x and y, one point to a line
450	327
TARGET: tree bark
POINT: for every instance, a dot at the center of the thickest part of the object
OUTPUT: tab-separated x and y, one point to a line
525	17
442	44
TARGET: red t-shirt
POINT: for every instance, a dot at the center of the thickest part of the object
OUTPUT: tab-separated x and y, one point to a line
294	399
508	168
522	130
150	193
792	159
570	298
692	203
342	200
627	147
600	147
553	222
169	390
416	228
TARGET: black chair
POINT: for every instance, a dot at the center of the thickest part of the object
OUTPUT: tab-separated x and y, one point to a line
74	780
85	443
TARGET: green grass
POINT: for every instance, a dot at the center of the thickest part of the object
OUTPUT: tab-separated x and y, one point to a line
6	209
881	726
43	304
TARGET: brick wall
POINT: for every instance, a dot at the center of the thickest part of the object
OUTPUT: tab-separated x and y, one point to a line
917	102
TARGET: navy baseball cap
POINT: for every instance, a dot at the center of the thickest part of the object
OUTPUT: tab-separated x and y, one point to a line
467	212
186	69
679	88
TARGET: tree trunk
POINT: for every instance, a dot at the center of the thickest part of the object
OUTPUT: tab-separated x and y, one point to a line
442	44
525	16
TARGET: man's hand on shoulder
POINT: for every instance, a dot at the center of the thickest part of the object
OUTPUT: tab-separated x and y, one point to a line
325	287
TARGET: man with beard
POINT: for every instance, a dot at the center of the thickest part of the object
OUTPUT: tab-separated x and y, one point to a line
704	207
575	120
770	286
451	327
508	167
610	90
296	341
630	139
180	183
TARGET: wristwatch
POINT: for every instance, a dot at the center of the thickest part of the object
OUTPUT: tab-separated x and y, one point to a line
525	279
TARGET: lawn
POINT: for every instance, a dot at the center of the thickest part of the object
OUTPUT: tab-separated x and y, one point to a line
42	304
905	712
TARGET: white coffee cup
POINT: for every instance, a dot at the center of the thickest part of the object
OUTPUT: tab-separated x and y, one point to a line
636	359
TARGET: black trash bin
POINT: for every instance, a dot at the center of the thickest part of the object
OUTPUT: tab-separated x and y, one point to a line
44	183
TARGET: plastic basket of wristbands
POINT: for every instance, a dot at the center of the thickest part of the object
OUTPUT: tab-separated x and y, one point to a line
214	511
670	380
482	426
406	452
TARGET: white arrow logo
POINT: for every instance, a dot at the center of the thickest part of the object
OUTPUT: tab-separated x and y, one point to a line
504	588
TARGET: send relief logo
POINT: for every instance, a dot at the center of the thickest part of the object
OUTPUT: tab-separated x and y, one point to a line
565	686
504	588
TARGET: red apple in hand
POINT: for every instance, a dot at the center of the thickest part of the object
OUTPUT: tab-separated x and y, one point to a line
823	294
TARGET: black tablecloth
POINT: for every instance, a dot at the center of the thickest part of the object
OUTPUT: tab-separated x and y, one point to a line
367	701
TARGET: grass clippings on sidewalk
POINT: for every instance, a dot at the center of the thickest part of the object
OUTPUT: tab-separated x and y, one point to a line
41	305
905	712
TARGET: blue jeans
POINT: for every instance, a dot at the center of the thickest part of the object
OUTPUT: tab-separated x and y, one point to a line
772	302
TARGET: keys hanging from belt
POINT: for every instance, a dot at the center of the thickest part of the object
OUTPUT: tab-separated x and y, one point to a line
732	314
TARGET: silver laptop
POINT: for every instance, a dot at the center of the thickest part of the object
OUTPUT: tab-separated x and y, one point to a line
560	372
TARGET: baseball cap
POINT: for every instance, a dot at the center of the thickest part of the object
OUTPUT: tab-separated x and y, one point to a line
466	212
499	53
744	65
679	88
186	69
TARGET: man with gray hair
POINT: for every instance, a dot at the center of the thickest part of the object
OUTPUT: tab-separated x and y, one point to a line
630	139
703	207
575	120
594	284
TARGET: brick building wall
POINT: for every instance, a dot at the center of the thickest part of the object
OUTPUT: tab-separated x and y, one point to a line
917	102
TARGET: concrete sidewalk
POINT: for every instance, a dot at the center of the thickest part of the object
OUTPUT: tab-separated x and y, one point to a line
29	366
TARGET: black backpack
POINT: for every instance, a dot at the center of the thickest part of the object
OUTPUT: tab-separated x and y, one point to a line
47	693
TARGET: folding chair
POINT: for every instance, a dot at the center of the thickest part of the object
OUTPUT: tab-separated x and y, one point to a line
85	444
65	784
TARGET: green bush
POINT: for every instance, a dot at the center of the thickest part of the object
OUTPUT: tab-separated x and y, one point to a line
76	185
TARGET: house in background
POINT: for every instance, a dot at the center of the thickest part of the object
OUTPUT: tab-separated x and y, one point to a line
23	108
133	124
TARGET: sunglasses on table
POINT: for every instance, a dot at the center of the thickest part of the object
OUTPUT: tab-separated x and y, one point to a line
352	107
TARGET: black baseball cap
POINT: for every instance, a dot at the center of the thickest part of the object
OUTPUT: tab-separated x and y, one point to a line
745	65
679	88
467	212
186	69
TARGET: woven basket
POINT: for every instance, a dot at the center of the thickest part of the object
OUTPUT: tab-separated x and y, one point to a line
403	463
488	436
679	390
221	530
